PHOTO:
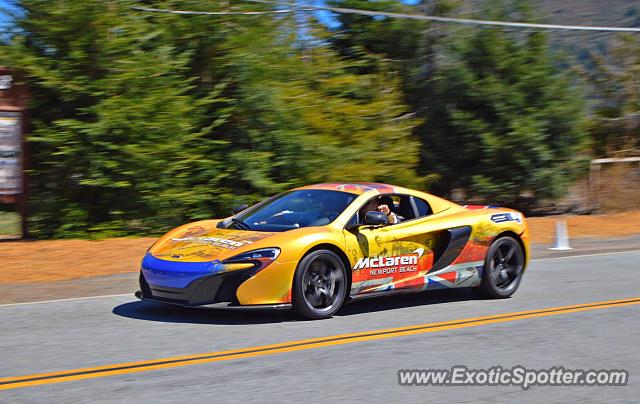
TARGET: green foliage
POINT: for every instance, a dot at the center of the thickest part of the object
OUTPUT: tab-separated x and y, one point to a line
504	124
502	121
9	223
144	121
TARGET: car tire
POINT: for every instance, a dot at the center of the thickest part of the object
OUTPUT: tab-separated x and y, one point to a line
319	285
503	268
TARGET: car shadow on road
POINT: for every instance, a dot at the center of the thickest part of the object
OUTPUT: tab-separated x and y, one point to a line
150	311
400	301
166	313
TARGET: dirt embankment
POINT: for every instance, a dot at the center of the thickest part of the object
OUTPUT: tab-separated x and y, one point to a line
622	224
55	260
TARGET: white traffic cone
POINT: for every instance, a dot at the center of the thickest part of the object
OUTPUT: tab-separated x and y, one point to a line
562	237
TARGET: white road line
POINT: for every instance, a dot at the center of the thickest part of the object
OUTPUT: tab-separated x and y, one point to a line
66	300
131	294
585	255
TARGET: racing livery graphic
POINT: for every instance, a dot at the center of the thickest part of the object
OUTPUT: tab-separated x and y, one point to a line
316	247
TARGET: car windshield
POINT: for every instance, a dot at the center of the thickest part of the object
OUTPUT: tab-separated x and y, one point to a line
292	210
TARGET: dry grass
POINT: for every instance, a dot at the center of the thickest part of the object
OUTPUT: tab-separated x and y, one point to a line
54	260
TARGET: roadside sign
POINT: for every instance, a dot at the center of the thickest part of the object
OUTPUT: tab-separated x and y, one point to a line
10	153
6	80
13	153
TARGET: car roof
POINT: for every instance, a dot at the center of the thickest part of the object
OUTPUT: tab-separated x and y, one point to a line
357	187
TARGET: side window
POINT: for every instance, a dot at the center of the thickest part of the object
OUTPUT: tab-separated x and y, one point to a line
423	207
391	200
404	206
396	203
406	209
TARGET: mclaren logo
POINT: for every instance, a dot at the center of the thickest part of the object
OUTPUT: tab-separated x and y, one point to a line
390	265
215	241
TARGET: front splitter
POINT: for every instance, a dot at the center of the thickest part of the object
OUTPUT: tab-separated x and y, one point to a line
221	305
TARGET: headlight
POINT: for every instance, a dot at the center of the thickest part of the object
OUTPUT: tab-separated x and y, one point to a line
257	259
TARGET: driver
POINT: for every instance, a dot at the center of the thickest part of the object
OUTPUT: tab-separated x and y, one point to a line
382	204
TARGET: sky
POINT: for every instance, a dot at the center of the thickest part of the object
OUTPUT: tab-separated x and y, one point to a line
329	19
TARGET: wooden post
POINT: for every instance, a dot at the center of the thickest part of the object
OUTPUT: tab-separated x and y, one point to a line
22	206
594	186
637	193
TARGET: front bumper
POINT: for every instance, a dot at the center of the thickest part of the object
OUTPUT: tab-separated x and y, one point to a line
218	288
202	283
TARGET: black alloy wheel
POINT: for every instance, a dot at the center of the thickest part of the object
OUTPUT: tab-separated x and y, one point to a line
503	268
319	285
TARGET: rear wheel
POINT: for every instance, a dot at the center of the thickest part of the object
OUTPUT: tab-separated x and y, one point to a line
503	268
319	285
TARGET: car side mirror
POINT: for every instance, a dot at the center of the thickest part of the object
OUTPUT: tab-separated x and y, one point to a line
375	218
239	209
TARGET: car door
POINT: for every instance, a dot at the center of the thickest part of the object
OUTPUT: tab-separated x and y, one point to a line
395	256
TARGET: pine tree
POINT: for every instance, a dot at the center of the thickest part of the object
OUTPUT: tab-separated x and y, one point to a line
505	122
501	119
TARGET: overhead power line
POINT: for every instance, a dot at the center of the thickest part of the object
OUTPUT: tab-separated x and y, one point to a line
213	13
373	13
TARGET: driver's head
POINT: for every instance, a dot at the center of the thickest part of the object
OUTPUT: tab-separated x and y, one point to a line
386	200
368	207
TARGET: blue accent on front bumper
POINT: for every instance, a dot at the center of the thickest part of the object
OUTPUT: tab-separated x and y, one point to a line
176	274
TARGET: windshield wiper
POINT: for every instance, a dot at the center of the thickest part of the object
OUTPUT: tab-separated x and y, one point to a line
240	225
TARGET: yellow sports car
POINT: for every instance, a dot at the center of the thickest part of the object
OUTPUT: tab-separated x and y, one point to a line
315	247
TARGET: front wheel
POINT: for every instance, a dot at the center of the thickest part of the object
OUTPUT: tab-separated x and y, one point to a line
503	268
319	285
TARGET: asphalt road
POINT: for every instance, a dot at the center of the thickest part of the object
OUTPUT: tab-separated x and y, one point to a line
58	336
